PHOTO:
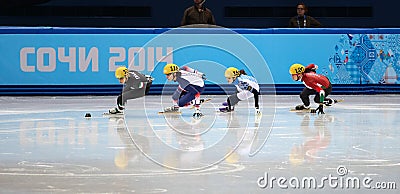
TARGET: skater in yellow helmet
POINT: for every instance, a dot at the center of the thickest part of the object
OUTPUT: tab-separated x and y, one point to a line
136	85
246	87
316	84
191	85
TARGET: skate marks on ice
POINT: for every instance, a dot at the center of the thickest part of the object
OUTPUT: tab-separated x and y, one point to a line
62	151
56	149
213	136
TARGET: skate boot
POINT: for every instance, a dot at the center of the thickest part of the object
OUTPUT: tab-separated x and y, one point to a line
197	114
258	116
226	108
202	101
257	111
329	102
115	111
195	102
171	109
302	107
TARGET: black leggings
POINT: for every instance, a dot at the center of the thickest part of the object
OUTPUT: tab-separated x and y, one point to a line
304	95
131	94
233	100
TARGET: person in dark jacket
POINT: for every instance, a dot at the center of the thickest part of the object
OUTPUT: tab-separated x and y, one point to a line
198	14
302	20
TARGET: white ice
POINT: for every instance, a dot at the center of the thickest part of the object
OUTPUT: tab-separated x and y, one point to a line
47	145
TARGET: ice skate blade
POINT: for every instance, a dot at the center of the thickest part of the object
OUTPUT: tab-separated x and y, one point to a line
172	113
303	111
107	114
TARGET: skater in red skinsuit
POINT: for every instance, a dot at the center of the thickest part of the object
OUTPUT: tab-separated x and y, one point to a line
316	84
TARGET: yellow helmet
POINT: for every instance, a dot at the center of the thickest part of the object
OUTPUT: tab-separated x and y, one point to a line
232	72
121	72
296	69
170	68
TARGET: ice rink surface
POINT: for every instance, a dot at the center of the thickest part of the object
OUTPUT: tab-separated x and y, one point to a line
48	146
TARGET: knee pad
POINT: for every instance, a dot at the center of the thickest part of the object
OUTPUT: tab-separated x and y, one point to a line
233	100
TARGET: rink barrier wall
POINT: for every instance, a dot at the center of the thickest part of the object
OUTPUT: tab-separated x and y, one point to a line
212	89
72	83
71	30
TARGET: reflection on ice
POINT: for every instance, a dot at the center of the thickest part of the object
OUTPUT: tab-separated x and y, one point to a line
56	147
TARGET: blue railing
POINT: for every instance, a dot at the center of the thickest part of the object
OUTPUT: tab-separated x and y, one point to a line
62	30
158	89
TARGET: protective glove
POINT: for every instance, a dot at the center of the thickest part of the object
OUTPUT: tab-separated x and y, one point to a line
320	109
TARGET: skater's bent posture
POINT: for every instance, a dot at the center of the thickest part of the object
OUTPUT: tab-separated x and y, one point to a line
316	84
136	85
246	87
191	85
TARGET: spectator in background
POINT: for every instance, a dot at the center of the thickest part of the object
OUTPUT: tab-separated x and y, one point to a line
198	14
302	20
